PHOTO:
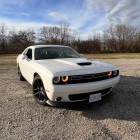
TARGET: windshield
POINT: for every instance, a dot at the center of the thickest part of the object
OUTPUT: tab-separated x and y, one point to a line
55	52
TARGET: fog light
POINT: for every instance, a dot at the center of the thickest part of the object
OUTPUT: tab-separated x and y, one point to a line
58	99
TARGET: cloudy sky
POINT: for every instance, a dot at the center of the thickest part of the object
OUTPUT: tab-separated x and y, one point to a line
82	15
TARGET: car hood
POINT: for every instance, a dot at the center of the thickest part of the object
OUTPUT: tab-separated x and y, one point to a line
72	64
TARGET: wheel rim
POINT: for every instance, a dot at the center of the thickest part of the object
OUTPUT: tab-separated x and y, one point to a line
39	91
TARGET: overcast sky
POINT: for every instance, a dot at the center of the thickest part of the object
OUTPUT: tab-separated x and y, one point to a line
83	15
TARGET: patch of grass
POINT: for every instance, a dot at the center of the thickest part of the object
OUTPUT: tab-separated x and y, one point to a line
11	63
113	56
8	56
89	56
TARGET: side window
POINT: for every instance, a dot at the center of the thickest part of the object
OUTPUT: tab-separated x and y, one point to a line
29	54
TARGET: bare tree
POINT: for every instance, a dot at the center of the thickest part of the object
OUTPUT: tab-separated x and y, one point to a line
109	36
136	45
125	37
64	31
13	44
120	38
3	36
117	38
26	37
44	34
49	35
54	33
75	39
95	42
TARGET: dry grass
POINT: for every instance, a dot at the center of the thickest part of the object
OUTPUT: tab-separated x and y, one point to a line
89	56
12	63
8	56
113	56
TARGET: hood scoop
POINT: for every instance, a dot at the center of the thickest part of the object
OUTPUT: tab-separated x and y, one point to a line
84	64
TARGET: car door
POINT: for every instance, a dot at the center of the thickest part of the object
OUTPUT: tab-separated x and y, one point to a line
26	66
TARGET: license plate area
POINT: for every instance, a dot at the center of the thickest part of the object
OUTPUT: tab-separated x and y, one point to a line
95	97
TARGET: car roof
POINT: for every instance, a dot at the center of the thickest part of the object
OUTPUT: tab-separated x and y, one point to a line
42	46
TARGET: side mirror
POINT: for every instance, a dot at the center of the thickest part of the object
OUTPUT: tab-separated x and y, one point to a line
81	55
23	57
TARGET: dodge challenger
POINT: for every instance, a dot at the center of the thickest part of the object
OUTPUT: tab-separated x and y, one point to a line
61	76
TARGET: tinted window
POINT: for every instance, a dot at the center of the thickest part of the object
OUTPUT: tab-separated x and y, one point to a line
29	54
55	52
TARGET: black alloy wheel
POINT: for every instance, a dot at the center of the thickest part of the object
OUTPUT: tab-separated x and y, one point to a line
39	91
21	78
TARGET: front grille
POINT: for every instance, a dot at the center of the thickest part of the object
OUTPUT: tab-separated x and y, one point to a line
90	76
85	96
86	78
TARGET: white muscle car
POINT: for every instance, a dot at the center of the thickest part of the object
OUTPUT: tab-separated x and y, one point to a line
61	76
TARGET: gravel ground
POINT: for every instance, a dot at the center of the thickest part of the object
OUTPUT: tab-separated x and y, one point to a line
117	118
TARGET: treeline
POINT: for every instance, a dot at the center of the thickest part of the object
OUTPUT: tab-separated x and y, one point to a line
115	39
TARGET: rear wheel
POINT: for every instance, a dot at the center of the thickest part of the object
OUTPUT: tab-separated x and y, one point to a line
39	91
21	78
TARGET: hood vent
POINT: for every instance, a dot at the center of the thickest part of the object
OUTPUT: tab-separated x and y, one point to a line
84	64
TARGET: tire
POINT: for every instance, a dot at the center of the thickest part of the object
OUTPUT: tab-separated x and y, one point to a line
21	78
39	91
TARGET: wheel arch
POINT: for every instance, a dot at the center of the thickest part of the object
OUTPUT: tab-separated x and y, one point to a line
43	78
35	74
40	75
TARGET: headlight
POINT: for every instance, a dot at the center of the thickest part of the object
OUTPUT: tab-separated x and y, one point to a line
109	73
65	78
115	72
56	80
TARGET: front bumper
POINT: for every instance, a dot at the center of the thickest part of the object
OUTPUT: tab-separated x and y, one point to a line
61	104
65	91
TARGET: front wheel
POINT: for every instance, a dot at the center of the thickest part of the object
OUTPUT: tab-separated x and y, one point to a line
39	91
